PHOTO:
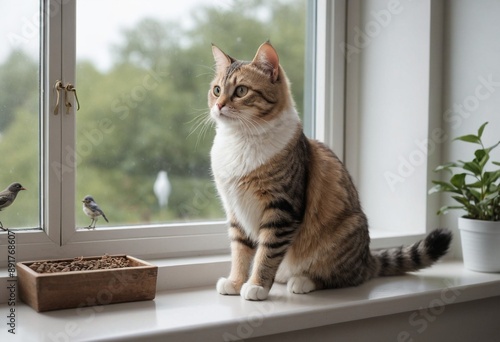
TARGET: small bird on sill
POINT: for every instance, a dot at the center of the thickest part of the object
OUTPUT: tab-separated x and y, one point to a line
92	210
8	196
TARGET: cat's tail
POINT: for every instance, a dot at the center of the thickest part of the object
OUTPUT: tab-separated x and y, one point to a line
422	254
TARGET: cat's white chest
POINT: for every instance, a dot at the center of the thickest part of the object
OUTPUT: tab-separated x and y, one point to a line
233	159
246	208
236	154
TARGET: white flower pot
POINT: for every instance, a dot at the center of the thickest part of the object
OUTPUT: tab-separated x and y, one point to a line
480	244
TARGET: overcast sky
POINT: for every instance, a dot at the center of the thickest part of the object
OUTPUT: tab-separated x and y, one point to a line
99	23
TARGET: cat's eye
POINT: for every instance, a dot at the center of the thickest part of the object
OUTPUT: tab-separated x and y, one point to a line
241	91
217	91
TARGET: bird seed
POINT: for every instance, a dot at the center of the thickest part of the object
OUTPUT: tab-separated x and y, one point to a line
80	264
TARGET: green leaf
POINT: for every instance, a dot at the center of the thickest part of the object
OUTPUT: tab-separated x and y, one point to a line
496	163
481	129
461	200
446	208
444	184
488	199
488	150
476	194
477	184
493	188
480	154
446	167
474	167
493	196
495	175
482	157
491	177
469	138
473	212
434	190
443	187
458	180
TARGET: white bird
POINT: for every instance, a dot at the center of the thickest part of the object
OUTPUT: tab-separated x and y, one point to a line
162	188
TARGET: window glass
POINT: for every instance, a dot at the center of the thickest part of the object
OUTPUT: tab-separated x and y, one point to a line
143	71
20	110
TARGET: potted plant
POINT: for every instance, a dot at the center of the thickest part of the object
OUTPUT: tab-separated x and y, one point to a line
477	191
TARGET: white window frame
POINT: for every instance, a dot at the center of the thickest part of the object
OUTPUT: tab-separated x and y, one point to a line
58	238
433	115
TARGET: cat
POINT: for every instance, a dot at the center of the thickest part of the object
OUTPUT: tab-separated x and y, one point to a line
294	213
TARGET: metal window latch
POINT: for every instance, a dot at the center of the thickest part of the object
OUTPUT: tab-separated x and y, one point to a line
68	88
57	87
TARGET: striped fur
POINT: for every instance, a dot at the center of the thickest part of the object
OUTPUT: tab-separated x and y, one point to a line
294	213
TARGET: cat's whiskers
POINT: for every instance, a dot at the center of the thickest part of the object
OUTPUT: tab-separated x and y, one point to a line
250	125
197	121
256	124
202	122
261	122
256	128
210	70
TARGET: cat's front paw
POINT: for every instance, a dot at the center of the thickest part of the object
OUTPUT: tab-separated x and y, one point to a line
226	287
254	292
300	285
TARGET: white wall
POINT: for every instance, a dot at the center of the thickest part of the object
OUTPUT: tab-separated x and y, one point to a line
471	56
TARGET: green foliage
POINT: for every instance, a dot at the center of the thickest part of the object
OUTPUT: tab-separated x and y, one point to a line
19	137
481	197
19	82
20	163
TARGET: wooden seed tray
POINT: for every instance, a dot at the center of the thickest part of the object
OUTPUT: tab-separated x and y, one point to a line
64	290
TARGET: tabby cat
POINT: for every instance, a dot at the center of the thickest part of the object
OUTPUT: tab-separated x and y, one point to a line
294	213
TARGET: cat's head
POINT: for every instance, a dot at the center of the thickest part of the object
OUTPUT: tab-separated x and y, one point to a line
249	95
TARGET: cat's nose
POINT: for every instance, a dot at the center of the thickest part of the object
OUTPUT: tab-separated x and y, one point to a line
220	105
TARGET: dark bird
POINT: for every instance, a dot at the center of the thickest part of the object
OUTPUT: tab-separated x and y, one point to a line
8	196
92	210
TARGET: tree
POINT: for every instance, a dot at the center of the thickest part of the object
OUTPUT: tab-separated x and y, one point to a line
19	75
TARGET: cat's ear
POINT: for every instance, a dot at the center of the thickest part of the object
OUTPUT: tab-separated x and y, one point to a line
222	61
267	59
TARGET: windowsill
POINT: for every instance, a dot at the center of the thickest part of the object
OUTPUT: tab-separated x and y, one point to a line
195	271
202	314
